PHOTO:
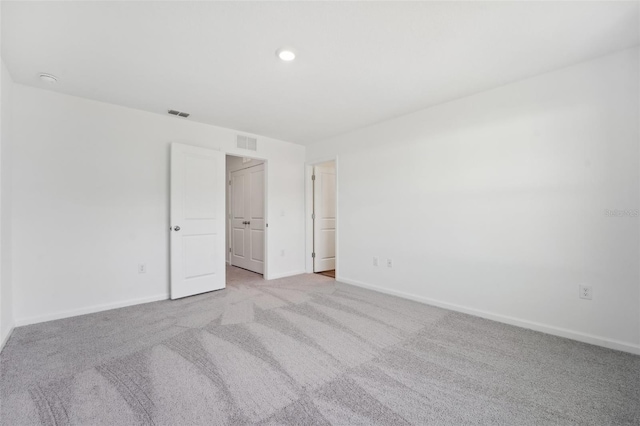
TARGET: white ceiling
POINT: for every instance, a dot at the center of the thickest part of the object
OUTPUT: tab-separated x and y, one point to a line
358	63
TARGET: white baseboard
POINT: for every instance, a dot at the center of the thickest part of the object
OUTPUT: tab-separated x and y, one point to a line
90	310
285	274
6	338
544	328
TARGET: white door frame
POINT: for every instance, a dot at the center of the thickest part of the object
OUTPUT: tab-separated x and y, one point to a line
308	201
266	207
228	212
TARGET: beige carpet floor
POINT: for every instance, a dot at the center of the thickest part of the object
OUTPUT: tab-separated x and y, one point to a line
306	350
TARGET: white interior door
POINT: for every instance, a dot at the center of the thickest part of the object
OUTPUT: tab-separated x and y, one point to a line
197	220
324	222
248	218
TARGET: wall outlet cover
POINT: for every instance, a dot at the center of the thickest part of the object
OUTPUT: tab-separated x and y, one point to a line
585	292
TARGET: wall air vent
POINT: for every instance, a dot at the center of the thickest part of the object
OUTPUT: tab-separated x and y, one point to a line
178	113
247	142
241	142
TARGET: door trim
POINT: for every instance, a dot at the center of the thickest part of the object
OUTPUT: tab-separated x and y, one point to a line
265	163
308	183
228	218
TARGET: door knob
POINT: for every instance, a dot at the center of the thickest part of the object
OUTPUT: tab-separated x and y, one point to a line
177	228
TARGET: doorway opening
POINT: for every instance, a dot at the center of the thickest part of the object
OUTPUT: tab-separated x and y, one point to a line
323	218
246	213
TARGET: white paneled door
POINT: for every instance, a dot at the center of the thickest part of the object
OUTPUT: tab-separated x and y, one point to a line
248	218
324	222
197	220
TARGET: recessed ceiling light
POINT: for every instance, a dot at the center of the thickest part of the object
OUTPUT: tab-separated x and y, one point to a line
48	78
286	54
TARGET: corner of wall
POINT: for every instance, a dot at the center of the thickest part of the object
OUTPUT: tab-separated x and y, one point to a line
6	335
7	322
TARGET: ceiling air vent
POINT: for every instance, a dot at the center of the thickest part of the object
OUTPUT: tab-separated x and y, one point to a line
178	113
247	142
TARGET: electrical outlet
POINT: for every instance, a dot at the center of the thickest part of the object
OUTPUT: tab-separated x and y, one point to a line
282	252
586	292
389	263
142	268
375	261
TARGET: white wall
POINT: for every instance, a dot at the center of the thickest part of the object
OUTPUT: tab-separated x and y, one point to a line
495	204
91	202
233	164
6	299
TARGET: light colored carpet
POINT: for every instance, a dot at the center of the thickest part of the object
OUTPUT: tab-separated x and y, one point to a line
306	350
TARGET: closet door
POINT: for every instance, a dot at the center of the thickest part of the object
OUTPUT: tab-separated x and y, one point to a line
247	218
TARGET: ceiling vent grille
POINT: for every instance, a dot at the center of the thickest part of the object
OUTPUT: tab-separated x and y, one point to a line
178	113
241	142
252	144
247	142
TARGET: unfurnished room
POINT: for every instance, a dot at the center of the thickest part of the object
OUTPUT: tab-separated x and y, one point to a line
319	213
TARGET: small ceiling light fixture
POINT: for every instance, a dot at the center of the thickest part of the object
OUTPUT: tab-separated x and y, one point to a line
286	54
48	78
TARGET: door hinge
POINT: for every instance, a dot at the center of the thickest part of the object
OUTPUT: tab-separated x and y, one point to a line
229	249
313	177
313	255
229	183
313	216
